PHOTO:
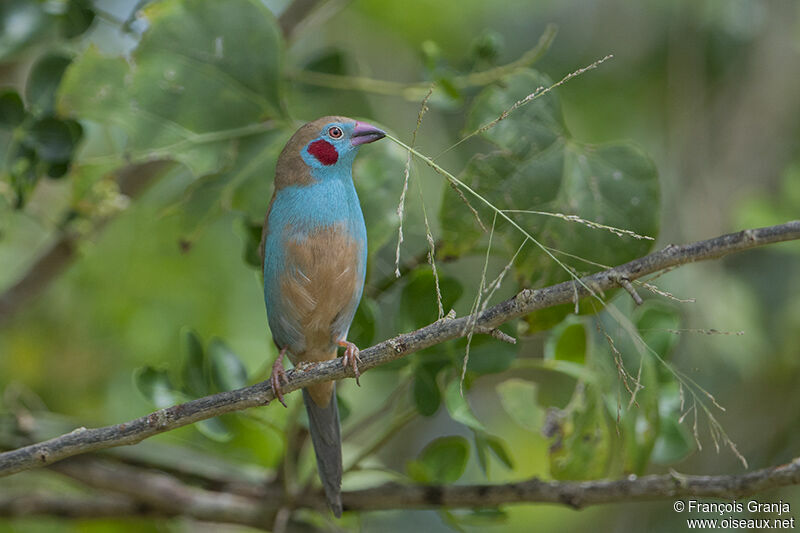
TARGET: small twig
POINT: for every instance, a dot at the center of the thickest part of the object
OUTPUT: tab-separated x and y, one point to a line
496	333
626	284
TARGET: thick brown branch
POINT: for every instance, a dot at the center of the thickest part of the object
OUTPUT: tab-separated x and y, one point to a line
148	493
575	494
529	300
166	494
79	507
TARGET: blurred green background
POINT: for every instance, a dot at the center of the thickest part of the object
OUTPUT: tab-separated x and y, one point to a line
162	280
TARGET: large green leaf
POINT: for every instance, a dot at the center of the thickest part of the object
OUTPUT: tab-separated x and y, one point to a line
442	461
42	84
203	71
518	398
427	396
195	372
538	166
21	23
658	323
567	342
583	445
155	385
227	370
459	408
418	299
675	440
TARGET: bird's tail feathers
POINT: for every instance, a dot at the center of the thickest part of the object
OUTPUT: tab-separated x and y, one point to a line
323	424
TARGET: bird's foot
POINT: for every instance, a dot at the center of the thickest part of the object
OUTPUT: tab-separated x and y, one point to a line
351	357
278	376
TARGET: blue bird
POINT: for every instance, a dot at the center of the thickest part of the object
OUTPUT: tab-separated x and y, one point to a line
314	252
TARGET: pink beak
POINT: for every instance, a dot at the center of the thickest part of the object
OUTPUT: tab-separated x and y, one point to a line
364	133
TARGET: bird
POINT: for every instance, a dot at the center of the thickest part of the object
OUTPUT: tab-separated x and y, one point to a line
314	260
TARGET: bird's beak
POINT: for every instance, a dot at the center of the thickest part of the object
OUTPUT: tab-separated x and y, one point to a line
364	133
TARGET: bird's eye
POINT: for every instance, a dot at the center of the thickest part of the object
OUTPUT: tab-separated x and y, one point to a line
335	132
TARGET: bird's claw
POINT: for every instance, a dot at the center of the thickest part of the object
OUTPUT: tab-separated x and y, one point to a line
351	358
278	375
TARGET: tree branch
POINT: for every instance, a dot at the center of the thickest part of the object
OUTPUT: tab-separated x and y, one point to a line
84	440
575	494
77	507
131	491
168	495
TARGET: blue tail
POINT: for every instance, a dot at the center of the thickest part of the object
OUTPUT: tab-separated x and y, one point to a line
323	424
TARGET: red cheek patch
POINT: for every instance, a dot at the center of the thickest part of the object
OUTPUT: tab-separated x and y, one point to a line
324	151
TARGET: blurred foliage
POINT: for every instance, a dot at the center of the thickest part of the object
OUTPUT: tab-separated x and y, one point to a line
90	89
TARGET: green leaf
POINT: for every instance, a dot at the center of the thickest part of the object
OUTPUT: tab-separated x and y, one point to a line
241	188
442	461
654	320
215	429
459	409
533	128
673	444
251	234
328	61
77	18
227	370
488	355
485	48
12	110
538	166
43	82
583	440
204	74
22	170
674	441
194	371
482	451
418	299
246	181
21	23
641	422
362	330
237	41
485	443
567	342
427	396
54	140
518	398
155	385
500	450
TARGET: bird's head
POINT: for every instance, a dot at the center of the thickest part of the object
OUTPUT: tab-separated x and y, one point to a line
326	144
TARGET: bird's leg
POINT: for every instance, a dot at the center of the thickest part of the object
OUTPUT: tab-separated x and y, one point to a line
278	375
351	357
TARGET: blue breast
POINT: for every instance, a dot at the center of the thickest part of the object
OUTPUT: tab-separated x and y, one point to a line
296	212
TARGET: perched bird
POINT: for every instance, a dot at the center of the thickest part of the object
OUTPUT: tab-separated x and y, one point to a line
314	253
